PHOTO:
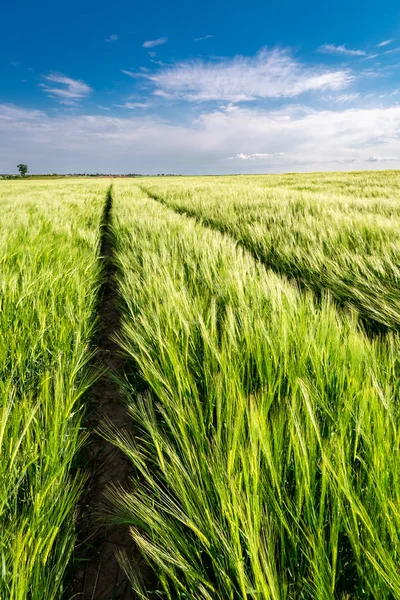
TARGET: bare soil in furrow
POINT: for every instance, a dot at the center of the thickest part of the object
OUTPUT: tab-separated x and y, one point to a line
96	574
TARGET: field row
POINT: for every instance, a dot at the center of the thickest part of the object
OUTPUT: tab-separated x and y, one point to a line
329	233
49	239
265	423
269	439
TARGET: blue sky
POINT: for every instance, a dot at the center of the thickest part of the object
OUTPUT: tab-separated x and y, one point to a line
212	87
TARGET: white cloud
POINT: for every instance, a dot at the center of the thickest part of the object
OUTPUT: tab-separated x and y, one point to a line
204	37
333	49
347	97
308	135
394	51
270	74
152	54
130	73
299	139
161	94
73	91
152	43
133	105
256	156
388	94
381	159
10	115
384	43
112	38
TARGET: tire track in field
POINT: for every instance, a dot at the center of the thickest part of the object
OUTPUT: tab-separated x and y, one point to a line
371	327
96	574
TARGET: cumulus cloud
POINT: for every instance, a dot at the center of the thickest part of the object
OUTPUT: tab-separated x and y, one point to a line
73	91
152	43
270	74
112	38
299	139
341	49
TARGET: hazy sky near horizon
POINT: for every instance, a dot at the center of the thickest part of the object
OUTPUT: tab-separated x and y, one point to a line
211	87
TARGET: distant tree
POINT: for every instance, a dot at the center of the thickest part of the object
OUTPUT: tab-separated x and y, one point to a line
23	169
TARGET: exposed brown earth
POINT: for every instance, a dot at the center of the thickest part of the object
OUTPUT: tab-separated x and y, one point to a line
96	573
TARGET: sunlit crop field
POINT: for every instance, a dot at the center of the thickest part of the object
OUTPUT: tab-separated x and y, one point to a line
49	274
267	447
260	325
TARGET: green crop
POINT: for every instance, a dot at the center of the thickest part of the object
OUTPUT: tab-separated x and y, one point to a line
49	276
266	446
328	231
260	327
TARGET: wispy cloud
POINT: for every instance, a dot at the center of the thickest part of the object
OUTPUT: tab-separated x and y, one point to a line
347	97
374	159
341	49
73	91
112	38
388	94
269	74
394	51
131	73
133	105
162	94
256	156
384	43
152	43
204	37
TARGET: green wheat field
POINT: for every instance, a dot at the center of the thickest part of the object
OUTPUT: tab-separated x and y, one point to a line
261	318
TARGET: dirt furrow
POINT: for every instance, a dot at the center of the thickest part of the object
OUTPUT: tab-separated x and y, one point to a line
96	572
